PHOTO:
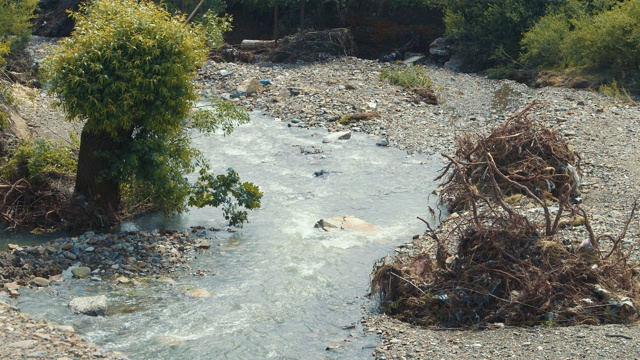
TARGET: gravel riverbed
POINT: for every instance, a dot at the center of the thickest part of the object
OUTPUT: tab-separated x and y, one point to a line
603	131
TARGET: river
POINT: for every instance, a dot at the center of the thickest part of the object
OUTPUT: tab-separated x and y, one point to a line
280	288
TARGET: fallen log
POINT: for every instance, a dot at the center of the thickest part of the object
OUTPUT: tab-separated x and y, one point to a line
257	44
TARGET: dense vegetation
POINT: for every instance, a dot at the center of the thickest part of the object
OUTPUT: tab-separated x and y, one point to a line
15	28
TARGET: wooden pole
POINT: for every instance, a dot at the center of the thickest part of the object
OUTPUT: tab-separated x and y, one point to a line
194	11
275	22
302	2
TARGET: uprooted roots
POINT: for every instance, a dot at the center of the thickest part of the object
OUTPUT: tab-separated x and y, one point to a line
526	152
46	207
509	276
505	269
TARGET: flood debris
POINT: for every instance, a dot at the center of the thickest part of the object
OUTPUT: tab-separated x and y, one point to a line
312	46
494	261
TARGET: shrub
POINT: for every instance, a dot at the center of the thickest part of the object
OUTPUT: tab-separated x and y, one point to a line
488	29
15	25
409	77
41	159
598	35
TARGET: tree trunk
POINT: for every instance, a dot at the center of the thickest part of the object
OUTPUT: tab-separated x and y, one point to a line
91	181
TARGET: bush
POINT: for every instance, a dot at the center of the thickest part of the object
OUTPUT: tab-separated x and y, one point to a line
409	77
15	25
597	35
40	160
488	30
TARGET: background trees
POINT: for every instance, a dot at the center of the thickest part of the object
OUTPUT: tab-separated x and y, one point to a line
15	28
128	70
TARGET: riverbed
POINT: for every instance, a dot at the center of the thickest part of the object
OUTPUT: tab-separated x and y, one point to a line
280	287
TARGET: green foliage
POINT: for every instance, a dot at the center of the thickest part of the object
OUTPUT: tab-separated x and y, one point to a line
128	70
485	28
214	27
40	159
226	191
187	6
543	43
409	77
617	92
15	25
602	35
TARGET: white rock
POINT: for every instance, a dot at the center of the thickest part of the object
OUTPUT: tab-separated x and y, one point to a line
89	305
348	223
339	135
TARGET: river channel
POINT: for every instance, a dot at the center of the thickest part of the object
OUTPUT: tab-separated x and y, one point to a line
280	288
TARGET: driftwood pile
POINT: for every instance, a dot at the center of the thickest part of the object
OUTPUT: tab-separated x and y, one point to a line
312	46
494	265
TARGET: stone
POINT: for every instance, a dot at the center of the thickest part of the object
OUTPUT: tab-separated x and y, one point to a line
24	344
123	280
89	249
199	293
167	280
170	341
441	47
11	286
13	246
348	223
67	246
89	305
250	86
69	255
338	135
57	278
81	272
40	281
225	72
64	328
37	354
203	245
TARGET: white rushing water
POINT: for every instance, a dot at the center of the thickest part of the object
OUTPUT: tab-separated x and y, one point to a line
280	288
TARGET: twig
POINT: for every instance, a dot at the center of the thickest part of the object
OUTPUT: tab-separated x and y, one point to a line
408	282
619	336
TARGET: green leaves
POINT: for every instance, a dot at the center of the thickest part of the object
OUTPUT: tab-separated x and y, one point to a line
597	34
39	159
15	25
226	191
128	70
223	115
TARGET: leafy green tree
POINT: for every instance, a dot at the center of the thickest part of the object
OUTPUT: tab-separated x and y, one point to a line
128	70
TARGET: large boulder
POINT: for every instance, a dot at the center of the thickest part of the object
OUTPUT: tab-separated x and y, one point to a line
89	305
346	223
440	48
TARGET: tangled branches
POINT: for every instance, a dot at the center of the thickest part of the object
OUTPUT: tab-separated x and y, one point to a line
507	267
312	45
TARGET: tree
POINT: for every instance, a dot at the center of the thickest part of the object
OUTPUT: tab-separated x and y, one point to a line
128	69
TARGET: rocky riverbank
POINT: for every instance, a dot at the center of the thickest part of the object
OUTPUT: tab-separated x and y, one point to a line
603	131
123	258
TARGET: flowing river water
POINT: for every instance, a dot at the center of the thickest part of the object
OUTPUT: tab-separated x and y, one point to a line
280	288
